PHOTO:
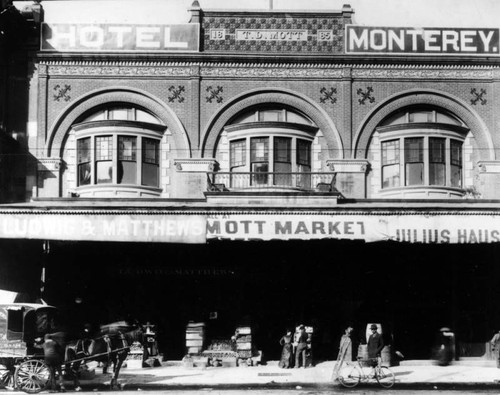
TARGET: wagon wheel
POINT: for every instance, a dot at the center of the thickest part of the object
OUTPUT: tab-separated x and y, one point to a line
32	376
6	379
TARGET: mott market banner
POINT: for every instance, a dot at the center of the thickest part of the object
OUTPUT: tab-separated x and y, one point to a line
159	227
439	228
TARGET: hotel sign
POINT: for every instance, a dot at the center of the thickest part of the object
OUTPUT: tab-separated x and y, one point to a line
421	41
438	228
120	37
105	227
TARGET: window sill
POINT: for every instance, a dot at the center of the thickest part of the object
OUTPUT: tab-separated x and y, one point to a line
422	192
114	190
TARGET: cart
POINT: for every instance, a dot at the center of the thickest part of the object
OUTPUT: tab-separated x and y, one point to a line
22	364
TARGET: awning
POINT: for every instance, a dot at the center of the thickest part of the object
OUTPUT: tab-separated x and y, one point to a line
164	221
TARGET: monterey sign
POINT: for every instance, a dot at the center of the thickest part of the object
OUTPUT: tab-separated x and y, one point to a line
421	41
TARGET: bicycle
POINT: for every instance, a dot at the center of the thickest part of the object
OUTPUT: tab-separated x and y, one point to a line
353	373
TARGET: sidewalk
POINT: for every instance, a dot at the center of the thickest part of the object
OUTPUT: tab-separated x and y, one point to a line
407	374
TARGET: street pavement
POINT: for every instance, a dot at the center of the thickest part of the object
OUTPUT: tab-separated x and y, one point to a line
483	374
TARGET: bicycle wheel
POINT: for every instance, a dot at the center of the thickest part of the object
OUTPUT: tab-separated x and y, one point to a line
349	376
385	377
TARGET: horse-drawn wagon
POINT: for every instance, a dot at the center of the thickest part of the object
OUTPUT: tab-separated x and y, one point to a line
21	361
24	325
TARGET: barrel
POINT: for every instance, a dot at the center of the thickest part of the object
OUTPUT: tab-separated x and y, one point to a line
386	356
363	352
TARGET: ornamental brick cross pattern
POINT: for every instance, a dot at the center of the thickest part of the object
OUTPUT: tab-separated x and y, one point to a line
327	95
365	95
214	94
176	94
478	96
62	92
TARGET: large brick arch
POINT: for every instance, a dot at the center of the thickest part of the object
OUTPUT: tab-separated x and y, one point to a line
423	97
58	132
270	96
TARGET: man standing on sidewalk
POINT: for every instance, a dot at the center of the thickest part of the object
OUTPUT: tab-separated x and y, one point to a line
375	343
301	348
495	347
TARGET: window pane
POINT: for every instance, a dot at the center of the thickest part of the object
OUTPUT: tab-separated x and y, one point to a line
456	163
414	173
414	150
127	172
283	174
84	174
304	152
456	152
104	170
296	118
104	148
83	159
98	116
150	162
282	148
437	173
120	113
238	153
83	148
127	148
456	176
390	152
390	176
143	116
437	150
421	116
150	151
259	151
150	174
260	179
271	116
444	118
395	119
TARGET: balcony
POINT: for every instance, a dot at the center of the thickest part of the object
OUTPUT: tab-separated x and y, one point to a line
271	182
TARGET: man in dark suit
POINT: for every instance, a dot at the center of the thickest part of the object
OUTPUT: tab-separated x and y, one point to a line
375	343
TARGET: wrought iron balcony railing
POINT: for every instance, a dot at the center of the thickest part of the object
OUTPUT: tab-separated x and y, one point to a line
229	181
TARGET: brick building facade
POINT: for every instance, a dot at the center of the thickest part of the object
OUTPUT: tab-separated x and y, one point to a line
264	125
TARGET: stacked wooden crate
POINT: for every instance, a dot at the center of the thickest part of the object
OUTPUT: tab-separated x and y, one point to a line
195	338
244	342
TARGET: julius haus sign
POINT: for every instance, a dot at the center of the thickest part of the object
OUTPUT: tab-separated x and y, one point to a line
423	41
116	37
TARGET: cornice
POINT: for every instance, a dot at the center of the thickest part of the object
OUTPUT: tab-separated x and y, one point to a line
263	70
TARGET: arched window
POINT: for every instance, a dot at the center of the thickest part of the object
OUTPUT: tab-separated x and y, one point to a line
271	145
118	146
421	147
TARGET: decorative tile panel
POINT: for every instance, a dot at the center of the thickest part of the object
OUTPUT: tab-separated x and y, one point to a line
274	32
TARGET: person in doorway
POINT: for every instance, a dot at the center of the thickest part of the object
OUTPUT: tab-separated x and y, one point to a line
54	358
286	352
495	347
301	347
445	347
345	349
375	345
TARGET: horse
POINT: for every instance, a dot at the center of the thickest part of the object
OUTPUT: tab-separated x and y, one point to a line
111	346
